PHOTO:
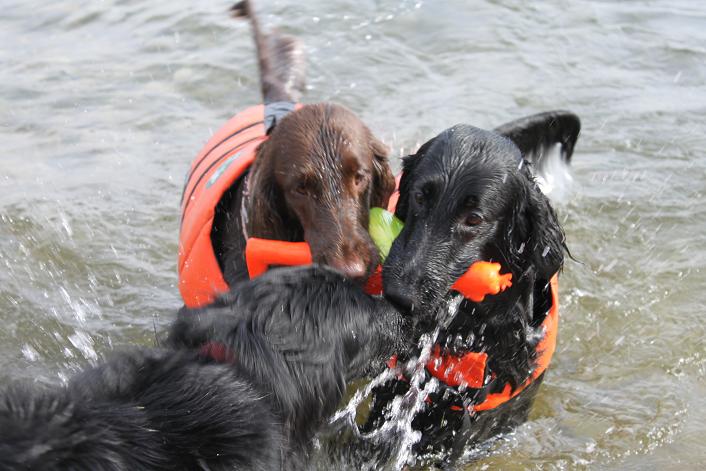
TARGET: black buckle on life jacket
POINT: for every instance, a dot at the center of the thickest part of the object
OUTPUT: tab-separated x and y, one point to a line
275	111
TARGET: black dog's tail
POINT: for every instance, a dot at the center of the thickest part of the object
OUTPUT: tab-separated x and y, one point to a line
537	134
280	56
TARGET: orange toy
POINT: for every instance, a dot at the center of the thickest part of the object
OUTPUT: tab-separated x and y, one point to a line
482	278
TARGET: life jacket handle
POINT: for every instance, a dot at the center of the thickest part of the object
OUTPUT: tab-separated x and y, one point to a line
260	254
481	279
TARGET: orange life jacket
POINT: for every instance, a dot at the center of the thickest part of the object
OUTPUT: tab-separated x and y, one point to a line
224	159
471	367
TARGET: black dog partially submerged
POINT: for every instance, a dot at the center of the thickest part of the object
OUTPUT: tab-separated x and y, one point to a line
288	342
470	195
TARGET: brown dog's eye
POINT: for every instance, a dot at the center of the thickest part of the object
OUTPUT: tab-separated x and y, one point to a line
473	219
302	189
359	178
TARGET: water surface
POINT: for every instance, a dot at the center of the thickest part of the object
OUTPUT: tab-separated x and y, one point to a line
104	104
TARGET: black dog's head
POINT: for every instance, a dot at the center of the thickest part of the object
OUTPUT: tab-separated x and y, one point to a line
467	195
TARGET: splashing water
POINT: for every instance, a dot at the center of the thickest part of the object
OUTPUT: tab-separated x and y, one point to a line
397	429
403	409
348	413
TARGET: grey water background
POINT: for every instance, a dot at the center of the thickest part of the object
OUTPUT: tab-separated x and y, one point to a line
103	104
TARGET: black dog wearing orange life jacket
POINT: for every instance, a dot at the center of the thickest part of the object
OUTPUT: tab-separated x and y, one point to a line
245	384
470	195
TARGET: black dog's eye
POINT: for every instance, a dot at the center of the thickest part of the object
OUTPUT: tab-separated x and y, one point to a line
419	197
473	219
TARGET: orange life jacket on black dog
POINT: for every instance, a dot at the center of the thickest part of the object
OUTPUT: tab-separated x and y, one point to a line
470	369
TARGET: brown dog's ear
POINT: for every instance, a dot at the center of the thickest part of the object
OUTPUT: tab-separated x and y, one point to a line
265	206
383	180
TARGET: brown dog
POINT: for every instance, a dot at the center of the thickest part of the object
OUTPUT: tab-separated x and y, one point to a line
314	179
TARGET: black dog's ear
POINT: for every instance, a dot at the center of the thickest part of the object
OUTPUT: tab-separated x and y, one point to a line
383	179
537	134
547	236
541	233
537	239
409	164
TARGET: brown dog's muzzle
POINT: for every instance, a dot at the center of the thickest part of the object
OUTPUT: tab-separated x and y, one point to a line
349	250
356	258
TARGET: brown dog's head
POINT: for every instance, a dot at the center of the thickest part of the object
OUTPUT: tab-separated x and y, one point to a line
315	179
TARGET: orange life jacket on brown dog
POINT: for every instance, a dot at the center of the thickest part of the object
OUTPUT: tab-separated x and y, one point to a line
222	161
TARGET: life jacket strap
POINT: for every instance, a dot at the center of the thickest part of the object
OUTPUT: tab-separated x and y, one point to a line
217	352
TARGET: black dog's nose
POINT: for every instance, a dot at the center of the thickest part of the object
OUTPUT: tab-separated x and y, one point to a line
399	299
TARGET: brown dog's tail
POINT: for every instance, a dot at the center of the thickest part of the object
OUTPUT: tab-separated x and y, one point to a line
280	56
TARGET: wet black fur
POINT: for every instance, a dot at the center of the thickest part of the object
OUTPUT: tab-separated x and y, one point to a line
469	195
294	338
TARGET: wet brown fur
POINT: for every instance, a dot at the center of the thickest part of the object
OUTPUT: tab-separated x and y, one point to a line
314	179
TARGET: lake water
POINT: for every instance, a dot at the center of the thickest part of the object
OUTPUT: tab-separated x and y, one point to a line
103	105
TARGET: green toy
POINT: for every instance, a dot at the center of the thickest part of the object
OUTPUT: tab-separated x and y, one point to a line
384	228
